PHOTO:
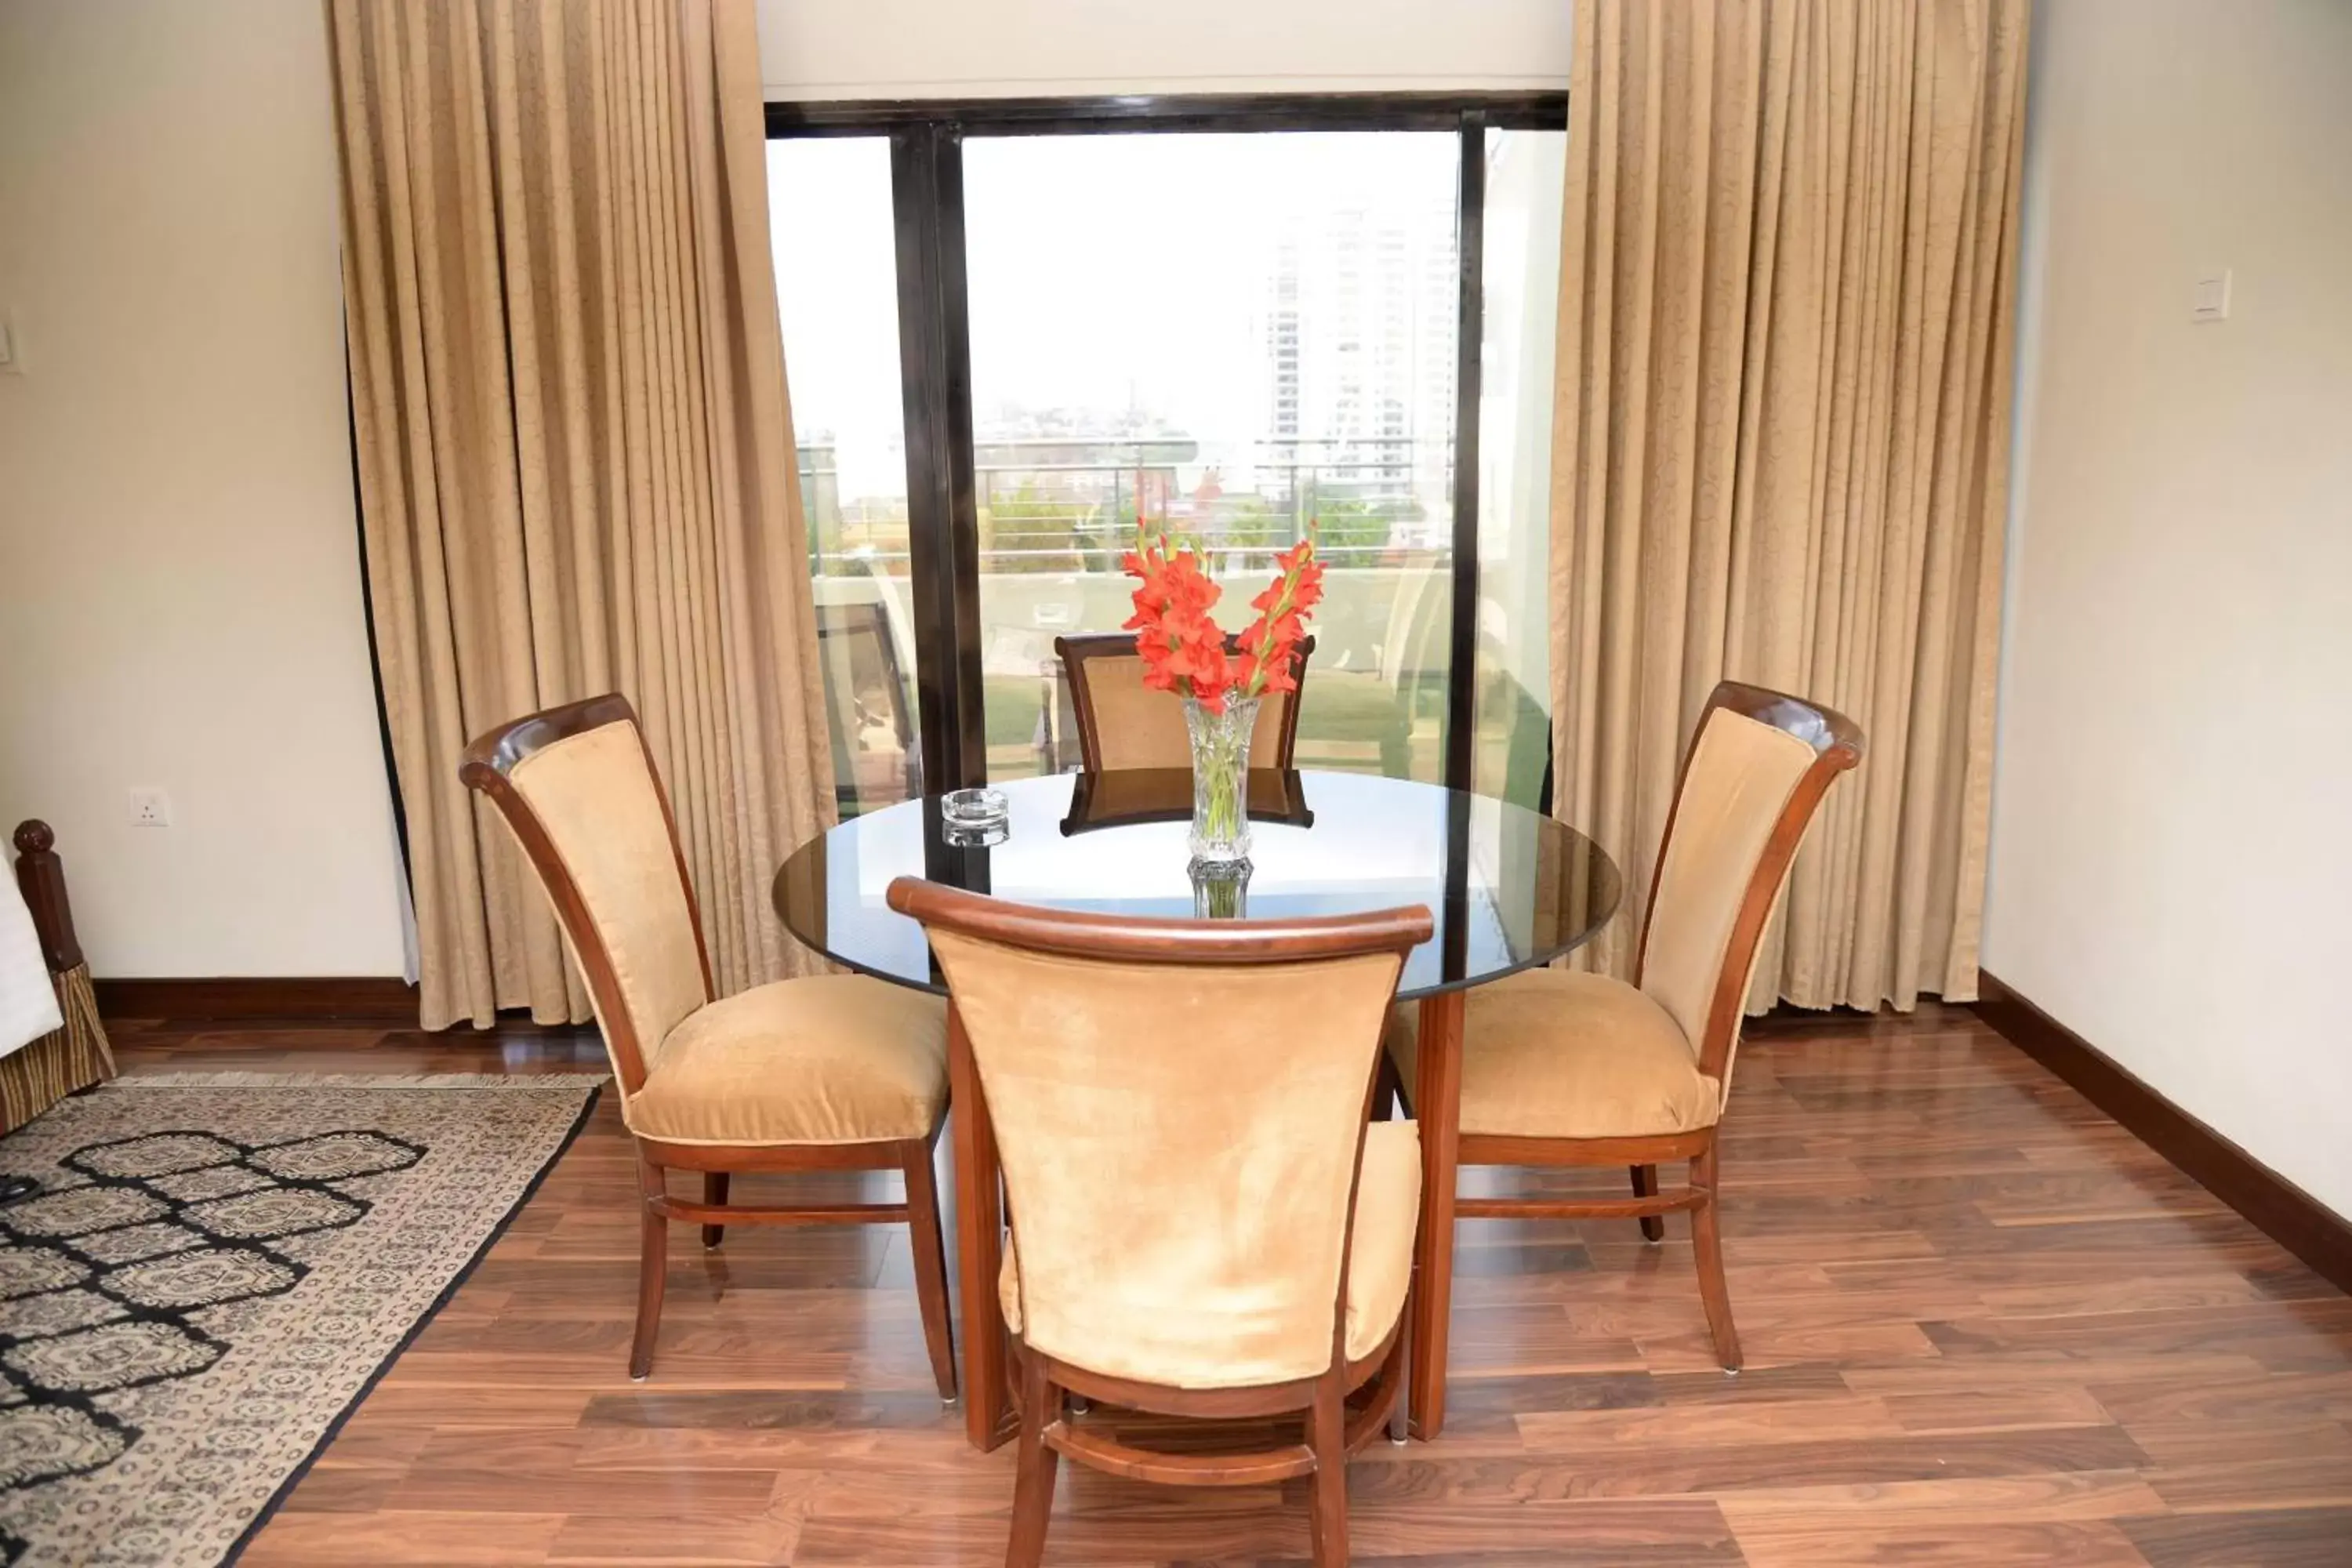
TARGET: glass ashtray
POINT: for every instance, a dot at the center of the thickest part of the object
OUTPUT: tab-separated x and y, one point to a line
974	809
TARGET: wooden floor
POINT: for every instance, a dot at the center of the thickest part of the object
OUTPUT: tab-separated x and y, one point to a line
1983	1325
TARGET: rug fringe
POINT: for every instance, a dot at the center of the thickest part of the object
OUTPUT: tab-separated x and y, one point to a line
249	1080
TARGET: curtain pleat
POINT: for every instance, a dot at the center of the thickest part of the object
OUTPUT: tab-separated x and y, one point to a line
576	470
1780	442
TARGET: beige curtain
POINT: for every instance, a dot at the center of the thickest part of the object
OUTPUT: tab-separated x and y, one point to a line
1781	441
577	469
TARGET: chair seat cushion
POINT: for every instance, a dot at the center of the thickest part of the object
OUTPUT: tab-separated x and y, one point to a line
1552	1053
1388	1208
830	1059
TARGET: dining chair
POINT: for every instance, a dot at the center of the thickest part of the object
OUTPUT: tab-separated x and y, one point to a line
1561	1069
1123	723
834	1072
1202	1223
1125	797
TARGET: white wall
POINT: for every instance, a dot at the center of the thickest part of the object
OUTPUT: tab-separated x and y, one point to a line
2172	831
179	571
178	578
936	48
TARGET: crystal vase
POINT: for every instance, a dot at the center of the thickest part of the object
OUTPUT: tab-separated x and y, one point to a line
1220	890
1221	745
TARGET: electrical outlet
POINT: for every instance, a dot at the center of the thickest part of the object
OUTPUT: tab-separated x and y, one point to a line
149	807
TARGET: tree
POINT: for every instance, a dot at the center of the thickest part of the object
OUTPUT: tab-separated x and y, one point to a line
1249	522
1029	530
1355	532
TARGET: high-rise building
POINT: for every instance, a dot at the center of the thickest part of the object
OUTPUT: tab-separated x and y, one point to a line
1360	345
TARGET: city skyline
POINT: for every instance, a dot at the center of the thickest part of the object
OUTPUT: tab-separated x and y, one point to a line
1132	286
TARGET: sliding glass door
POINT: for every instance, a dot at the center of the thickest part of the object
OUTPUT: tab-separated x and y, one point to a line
1527	173
834	238
1013	330
1240	338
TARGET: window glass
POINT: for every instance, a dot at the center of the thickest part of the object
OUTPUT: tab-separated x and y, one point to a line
835	255
1238	337
1527	173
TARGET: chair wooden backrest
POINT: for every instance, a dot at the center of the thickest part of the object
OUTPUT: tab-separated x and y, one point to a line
1123	723
1124	797
1180	1110
578	787
1756	768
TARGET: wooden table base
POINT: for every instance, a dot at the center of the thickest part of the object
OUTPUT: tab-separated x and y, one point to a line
988	1416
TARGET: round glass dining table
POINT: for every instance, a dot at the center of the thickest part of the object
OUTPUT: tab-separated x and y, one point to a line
1508	888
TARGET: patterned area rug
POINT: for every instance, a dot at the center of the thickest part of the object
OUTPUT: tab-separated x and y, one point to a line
218	1267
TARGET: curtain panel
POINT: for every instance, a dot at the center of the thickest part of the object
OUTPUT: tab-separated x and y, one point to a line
576	460
1780	442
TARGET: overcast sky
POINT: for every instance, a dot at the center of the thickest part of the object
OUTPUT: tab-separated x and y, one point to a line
1102	270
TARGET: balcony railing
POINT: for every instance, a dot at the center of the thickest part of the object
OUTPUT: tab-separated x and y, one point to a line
1070	504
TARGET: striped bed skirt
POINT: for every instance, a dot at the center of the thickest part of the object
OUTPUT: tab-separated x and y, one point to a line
55	1065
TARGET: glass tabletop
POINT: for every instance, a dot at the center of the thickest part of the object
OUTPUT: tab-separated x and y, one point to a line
1509	887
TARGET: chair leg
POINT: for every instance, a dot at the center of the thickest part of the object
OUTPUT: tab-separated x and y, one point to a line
1326	1434
653	1269
1645	1186
931	1263
1707	1240
714	1193
1033	1465
1400	1370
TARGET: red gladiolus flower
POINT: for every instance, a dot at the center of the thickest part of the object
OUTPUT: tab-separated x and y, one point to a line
1182	649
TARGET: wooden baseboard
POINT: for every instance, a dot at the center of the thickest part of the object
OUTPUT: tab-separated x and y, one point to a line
316	999
2280	1209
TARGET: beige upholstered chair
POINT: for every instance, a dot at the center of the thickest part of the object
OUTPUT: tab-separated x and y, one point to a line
1560	1068
1123	723
1202	1222
832	1072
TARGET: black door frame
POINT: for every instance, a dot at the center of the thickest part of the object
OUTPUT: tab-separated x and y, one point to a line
935	347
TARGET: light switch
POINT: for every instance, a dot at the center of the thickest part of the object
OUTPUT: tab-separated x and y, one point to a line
2211	302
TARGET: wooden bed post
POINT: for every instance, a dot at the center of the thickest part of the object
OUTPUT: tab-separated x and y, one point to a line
77	1055
41	877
